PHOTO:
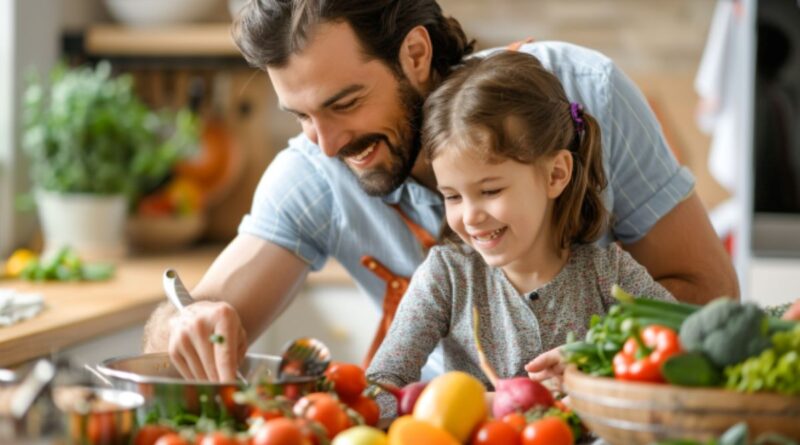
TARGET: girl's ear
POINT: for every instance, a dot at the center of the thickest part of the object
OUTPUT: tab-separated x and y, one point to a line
415	57
559	173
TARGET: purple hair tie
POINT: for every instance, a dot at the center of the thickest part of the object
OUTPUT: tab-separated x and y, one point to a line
576	111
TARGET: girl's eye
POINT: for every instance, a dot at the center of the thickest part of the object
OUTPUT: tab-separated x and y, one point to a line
452	197
492	192
345	106
301	117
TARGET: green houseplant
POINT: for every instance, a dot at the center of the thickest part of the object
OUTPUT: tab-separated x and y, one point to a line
94	148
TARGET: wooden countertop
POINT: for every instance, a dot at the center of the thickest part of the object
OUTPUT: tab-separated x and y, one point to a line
76	312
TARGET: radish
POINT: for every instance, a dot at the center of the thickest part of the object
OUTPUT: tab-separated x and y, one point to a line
517	394
406	396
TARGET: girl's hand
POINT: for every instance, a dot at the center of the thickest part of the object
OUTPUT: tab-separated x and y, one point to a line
547	365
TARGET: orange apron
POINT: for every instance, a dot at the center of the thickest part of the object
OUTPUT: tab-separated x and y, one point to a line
396	285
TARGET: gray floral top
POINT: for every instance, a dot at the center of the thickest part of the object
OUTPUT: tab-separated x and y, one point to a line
514	327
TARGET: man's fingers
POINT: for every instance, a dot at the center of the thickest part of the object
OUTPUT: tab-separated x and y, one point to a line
180	364
225	351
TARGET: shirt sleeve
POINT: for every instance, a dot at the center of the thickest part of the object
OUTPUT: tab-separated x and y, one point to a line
633	277
293	208
422	319
645	178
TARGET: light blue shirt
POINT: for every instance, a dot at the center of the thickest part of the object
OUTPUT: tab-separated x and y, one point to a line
313	206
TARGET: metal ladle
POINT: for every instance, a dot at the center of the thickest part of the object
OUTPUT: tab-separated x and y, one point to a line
304	357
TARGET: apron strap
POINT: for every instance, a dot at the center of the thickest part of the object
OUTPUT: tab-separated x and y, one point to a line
426	240
396	285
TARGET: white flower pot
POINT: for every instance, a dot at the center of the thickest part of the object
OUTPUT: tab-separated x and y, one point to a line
93	225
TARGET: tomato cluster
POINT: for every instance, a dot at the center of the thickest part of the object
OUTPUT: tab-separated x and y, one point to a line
514	429
313	419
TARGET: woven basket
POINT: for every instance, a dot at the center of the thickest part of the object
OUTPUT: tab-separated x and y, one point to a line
628	413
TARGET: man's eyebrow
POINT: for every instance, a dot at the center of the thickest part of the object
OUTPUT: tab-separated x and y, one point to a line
342	93
331	100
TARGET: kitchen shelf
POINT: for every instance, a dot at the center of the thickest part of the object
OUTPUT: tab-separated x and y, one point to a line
197	40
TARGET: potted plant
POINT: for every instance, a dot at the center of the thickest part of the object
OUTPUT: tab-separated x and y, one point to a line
94	149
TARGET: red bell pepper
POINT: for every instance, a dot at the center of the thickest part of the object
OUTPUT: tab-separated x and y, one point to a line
642	356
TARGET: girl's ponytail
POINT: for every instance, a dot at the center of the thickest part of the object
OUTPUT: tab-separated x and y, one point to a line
579	213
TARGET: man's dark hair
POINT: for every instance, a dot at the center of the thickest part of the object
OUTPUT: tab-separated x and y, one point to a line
267	32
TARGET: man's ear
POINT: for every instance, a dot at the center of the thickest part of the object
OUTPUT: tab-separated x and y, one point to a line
416	53
559	173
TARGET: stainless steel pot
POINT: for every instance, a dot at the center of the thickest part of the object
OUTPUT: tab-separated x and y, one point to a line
98	416
168	394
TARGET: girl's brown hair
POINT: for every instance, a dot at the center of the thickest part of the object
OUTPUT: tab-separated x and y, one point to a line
507	106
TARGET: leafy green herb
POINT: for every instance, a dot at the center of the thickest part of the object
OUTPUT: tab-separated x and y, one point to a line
89	133
776	369
66	265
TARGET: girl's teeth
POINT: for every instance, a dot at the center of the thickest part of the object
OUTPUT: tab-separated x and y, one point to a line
365	153
491	236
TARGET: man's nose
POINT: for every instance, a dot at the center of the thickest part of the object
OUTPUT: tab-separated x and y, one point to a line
329	137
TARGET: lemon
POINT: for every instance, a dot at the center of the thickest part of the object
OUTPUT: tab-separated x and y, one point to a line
17	262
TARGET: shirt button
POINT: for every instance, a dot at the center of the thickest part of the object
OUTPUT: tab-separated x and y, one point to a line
533	296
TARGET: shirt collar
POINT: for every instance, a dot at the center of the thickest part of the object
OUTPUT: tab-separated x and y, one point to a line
414	192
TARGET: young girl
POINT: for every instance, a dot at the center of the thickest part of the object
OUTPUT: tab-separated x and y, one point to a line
520	170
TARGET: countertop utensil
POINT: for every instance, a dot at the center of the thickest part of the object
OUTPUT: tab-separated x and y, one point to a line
304	357
179	296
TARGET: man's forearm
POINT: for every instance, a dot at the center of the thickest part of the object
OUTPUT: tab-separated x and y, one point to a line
156	330
690	291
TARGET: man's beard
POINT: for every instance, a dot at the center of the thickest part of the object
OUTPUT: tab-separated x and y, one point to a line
382	180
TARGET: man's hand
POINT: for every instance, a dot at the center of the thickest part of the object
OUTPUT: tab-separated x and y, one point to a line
207	341
256	279
547	365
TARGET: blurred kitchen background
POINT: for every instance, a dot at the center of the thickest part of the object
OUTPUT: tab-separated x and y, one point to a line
179	53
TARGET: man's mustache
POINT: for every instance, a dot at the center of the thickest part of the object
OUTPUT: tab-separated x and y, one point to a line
361	144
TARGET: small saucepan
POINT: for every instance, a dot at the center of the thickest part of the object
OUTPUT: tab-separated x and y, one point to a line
97	416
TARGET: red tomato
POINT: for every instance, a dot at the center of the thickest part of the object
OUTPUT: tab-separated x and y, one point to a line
368	408
149	434
348	380
323	408
216	438
101	428
281	431
171	439
313	431
496	432
547	431
517	420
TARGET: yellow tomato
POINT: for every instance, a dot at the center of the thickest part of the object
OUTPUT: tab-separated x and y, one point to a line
454	402
360	435
407	430
17	262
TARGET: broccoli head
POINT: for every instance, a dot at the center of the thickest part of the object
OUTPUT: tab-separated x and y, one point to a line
726	331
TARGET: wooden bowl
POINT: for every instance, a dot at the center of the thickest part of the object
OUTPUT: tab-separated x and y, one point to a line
641	413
